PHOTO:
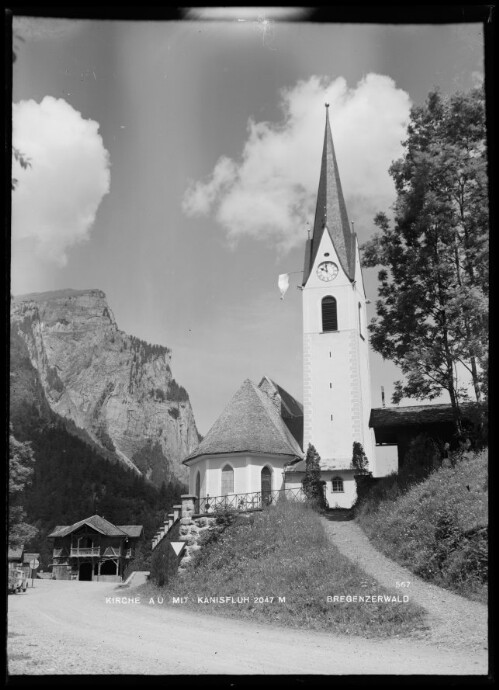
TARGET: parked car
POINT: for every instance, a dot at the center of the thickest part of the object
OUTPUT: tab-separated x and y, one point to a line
18	582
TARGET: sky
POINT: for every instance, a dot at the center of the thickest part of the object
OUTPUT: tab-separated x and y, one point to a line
175	165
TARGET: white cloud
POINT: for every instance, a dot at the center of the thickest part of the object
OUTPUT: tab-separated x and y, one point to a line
270	193
56	200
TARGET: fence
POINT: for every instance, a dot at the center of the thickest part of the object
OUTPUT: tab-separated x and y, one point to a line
248	501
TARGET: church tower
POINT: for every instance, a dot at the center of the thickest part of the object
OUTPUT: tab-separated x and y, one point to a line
336	377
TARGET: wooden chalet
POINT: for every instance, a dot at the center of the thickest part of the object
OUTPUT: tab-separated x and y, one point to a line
93	549
397	426
15	557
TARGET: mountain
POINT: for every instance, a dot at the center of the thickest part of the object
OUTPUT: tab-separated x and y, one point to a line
114	391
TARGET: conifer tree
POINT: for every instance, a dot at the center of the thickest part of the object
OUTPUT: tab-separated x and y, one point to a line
312	483
21	461
359	458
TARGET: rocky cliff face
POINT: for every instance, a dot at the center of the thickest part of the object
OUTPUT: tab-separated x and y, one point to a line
117	388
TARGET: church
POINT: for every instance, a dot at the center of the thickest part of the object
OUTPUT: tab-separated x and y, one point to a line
258	444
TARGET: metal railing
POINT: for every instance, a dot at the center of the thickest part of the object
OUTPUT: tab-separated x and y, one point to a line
92	551
249	501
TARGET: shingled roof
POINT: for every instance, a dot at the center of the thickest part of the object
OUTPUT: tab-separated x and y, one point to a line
325	465
101	525
410	415
250	423
291	406
290	409
131	530
331	213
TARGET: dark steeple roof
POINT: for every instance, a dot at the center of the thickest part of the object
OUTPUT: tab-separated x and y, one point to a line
331	212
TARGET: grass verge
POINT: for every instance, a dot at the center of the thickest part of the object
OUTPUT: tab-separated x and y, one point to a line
438	528
280	568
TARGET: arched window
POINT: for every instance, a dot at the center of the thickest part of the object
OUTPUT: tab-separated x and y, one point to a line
329	314
227	480
198	485
337	485
266	483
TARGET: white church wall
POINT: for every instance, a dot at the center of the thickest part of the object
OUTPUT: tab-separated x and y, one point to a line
328	399
294	481
247	473
340	499
386	460
368	441
276	464
335	499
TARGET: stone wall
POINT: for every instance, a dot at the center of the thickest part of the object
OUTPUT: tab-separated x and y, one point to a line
183	526
192	531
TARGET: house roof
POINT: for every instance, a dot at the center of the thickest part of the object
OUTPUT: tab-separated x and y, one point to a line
96	522
15	554
131	530
250	423
409	415
324	466
331	212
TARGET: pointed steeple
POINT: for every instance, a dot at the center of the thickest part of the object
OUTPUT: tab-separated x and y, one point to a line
331	212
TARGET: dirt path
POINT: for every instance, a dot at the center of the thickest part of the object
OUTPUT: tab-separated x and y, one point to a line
63	627
454	621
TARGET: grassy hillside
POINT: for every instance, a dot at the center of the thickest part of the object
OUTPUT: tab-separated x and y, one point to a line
438	528
283	552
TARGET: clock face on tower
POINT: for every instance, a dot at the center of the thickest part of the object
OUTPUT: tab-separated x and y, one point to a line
327	271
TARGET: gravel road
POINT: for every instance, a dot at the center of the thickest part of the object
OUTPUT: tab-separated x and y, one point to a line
61	627
454	621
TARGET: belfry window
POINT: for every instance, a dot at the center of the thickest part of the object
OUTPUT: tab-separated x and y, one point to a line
329	314
337	485
227	480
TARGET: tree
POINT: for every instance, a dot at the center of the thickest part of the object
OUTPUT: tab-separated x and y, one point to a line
312	483
432	310
23	161
21	461
359	458
18	156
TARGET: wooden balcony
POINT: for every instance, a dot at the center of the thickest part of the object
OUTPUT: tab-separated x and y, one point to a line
78	552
